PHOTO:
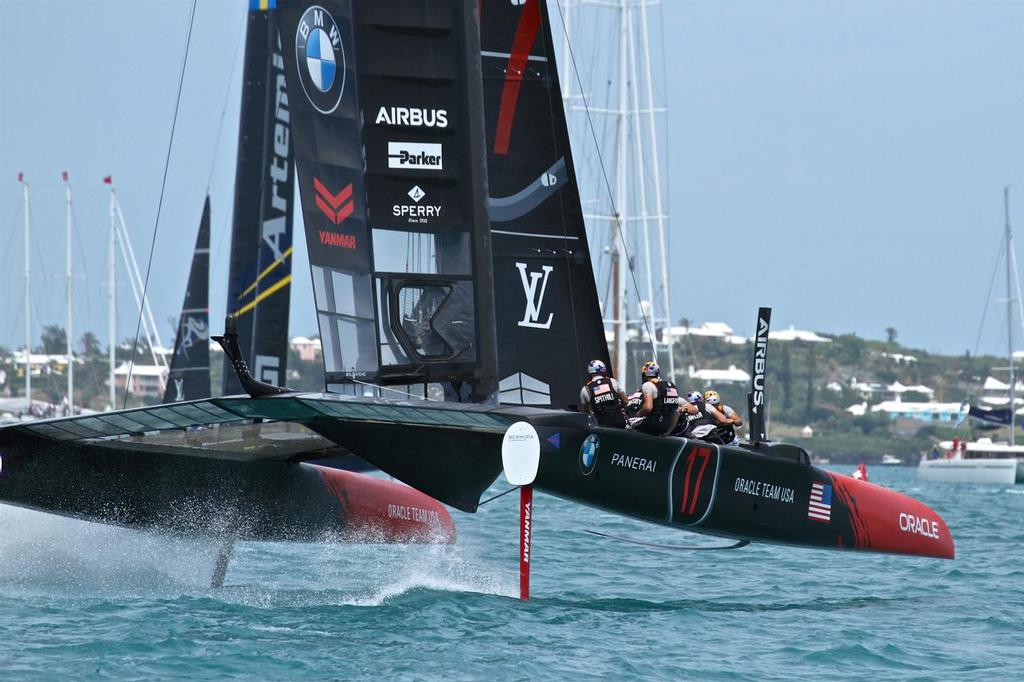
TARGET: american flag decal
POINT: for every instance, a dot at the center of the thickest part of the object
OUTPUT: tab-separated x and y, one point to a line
602	388
820	506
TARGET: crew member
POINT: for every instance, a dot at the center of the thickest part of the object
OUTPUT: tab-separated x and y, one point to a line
603	397
633	403
724	433
691	415
660	407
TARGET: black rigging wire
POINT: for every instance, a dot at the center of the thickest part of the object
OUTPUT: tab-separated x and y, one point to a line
617	220
160	203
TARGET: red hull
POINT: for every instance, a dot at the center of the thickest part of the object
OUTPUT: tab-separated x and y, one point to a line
887	521
376	510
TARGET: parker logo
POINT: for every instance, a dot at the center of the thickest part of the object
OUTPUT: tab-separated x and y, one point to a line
336	207
415	155
534	298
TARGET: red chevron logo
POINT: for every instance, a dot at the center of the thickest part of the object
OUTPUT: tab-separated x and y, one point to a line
336	207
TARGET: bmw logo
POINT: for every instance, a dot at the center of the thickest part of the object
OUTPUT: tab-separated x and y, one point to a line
321	59
588	454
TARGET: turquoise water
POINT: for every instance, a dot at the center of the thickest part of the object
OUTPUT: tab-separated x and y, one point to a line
80	600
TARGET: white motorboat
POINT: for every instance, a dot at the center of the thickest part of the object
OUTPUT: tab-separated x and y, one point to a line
981	461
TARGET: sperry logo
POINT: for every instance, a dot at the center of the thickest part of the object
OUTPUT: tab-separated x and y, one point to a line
534	298
336	207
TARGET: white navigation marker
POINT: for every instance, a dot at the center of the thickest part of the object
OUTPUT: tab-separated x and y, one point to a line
520	453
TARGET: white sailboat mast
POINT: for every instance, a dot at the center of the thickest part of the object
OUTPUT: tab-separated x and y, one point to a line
1009	314
68	272
28	300
658	204
112	300
619	220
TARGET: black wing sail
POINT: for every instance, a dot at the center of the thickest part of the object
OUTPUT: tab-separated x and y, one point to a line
189	377
260	273
549	317
388	142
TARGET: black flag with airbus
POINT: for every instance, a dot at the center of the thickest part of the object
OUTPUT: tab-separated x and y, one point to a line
757	402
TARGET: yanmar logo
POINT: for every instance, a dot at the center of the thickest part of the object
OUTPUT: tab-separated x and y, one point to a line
336	207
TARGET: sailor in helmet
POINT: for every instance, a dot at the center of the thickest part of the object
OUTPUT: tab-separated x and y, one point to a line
725	432
659	411
691	415
603	397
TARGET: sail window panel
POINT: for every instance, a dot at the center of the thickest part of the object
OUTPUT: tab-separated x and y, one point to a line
219	414
455	321
345	312
271	408
349	344
125	424
424	253
171	416
418	306
151	421
52	432
193	414
99	426
78	429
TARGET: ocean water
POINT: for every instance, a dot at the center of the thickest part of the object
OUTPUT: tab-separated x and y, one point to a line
78	601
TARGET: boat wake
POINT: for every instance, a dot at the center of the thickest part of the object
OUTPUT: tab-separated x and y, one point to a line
42	553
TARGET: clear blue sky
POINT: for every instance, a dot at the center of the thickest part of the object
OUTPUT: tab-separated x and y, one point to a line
841	162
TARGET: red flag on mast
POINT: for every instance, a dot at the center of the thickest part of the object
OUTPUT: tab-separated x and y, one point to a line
109	180
64	175
21	177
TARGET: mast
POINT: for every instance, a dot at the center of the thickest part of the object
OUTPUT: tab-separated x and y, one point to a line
112	300
618	226
1009	314
658	206
68	275
28	300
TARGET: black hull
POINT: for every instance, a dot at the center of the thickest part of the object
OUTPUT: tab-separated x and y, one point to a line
264	500
758	495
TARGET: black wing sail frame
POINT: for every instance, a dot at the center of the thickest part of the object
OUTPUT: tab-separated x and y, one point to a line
549	316
189	376
388	142
260	272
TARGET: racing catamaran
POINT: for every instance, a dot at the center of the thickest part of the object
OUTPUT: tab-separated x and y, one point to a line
397	122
